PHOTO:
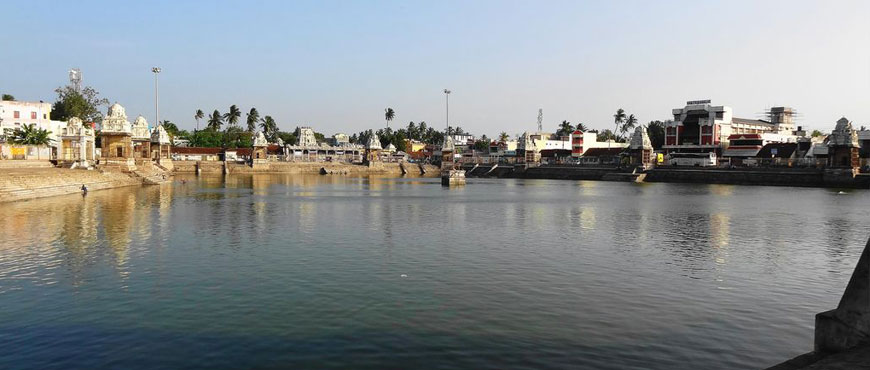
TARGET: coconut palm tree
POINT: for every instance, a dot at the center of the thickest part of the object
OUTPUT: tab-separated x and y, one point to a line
565	129
253	118
389	114
30	135
618	118
198	116
269	127
215	120
233	115
580	127
503	136
629	124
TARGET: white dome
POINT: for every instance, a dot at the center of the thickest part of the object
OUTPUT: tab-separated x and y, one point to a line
116	110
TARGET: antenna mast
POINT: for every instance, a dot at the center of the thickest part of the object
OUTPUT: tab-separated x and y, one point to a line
540	119
75	79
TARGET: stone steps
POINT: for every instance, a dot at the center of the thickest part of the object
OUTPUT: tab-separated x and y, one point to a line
55	181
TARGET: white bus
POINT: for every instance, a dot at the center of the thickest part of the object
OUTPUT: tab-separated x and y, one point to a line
692	159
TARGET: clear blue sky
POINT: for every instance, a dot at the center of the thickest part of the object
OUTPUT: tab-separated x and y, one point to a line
336	65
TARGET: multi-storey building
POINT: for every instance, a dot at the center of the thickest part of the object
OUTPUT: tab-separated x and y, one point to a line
15	114
701	127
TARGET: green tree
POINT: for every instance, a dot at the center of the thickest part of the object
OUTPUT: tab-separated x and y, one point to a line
232	117
482	144
198	116
30	135
170	128
71	103
253	118
288	137
8	97
503	136
270	129
215	121
607	135
412	131
207	138
565	129
656	132
817	133
618	119
580	127
389	114
627	126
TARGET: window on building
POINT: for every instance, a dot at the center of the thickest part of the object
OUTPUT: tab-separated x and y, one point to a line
720	115
32	115
16	114
45	116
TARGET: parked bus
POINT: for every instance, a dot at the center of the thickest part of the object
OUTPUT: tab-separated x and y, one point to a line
692	159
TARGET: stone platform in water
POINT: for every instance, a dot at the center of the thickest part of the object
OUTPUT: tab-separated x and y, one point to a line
453	177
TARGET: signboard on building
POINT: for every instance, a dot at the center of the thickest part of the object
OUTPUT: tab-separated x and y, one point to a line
698	102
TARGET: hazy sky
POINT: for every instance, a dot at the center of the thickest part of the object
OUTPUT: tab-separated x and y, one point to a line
336	65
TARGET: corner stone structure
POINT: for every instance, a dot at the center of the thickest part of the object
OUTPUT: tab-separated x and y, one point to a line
848	325
842	337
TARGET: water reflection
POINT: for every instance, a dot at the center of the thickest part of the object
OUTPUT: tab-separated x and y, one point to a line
524	264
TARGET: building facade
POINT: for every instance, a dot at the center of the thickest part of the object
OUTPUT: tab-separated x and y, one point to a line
701	127
116	139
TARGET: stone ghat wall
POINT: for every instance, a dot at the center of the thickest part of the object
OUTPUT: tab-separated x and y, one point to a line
543	172
802	178
565	173
766	176
21	184
302	168
25	164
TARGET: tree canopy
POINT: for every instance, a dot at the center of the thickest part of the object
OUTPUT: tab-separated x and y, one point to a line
232	116
215	120
656	131
565	129
253	119
84	105
30	135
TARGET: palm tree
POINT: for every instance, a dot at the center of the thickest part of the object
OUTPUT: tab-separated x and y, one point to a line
233	115
412	130
269	127
618	118
580	127
30	135
198	116
629	124
389	114
253	117
503	136
215	120
565	129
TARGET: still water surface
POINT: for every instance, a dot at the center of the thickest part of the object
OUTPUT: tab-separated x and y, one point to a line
281	271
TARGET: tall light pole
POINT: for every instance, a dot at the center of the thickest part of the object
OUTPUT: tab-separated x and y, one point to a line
156	71
447	102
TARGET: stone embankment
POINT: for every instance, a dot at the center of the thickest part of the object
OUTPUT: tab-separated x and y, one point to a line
29	183
741	176
217	167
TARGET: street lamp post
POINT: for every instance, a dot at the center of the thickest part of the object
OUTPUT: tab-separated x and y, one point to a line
447	102
156	71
